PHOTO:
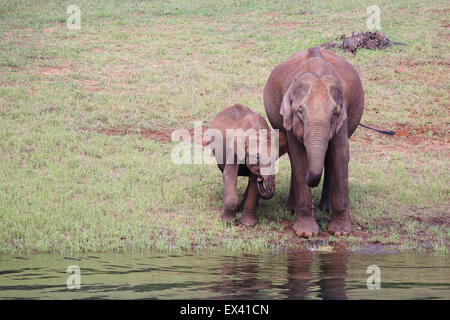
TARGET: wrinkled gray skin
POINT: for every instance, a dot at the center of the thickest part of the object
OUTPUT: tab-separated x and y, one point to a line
259	186
317	100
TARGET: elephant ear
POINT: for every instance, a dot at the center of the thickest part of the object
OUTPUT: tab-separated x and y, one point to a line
342	117
286	111
338	96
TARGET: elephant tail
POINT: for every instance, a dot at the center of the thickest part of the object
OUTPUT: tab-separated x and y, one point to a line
388	132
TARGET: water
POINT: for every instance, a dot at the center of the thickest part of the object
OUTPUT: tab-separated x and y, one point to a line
301	275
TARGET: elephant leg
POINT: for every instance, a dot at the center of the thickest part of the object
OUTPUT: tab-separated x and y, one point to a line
290	205
325	199
340	223
244	198
230	207
305	224
249	210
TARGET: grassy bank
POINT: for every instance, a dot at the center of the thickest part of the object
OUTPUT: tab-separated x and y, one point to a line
86	116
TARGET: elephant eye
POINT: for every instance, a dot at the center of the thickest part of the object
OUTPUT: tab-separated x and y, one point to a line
335	112
300	111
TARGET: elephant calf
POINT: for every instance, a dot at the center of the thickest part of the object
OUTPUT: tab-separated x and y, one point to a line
237	132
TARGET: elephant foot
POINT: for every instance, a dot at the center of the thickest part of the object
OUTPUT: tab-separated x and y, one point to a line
227	216
248	220
306	227
340	226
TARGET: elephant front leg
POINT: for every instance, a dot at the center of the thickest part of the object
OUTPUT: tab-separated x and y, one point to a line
290	205
340	223
230	207
251	202
305	224
325	199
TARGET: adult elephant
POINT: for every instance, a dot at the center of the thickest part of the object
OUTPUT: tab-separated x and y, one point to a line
317	100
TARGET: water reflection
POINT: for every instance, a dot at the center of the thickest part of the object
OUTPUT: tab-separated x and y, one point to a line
299	275
333	275
241	280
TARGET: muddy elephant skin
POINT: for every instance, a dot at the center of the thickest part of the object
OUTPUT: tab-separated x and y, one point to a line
260	185
316	98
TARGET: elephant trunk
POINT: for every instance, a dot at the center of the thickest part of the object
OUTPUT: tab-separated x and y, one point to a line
266	186
316	144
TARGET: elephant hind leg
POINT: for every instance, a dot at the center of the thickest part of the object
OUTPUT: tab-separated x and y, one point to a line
325	199
250	204
231	203
244	197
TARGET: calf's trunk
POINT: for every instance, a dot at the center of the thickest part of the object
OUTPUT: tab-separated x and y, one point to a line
266	186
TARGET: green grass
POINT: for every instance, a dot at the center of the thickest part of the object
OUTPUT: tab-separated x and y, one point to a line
67	187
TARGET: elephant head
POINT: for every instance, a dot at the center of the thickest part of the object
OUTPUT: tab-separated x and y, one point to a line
260	160
313	108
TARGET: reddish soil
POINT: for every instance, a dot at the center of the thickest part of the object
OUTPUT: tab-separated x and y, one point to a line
55	70
442	220
242	46
272	14
157	135
412	63
400	69
447	10
411	133
285	24
410	138
50	30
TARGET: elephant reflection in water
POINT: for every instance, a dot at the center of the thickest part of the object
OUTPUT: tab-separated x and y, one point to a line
299	275
241	280
332	274
249	278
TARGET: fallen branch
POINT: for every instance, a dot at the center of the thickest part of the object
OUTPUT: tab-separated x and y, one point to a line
368	40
